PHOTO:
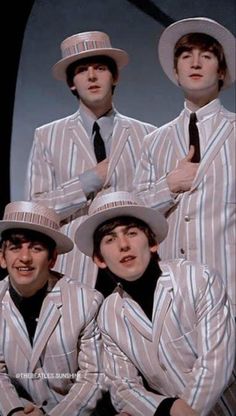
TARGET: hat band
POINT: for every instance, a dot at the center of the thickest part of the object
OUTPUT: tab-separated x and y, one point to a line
29	217
113	204
84	46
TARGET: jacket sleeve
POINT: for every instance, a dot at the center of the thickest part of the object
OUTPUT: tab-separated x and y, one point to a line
87	389
150	181
216	344
43	183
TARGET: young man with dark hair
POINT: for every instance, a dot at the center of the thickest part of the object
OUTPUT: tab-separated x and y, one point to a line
50	346
74	158
187	167
168	328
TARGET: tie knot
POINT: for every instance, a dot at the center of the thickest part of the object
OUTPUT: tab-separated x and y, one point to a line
96	127
193	118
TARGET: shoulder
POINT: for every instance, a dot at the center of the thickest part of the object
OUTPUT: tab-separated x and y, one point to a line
160	133
228	115
62	122
132	122
84	292
191	277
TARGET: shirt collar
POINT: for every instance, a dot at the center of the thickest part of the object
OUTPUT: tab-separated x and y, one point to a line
206	111
105	122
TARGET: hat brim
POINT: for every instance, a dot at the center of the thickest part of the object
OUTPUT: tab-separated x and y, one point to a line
153	218
196	25
118	55
63	243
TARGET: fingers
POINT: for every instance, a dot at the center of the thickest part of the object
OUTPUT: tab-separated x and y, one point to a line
190	154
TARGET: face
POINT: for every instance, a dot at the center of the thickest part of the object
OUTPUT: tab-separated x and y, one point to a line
28	265
93	82
197	73
126	252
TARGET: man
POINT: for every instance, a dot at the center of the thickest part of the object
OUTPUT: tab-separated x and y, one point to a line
195	188
168	329
49	341
63	170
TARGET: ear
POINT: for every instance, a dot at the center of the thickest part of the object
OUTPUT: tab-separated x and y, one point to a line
2	260
99	262
52	261
221	75
176	75
154	248
116	80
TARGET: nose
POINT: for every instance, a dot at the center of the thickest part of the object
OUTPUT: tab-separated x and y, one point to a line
25	255
124	243
196	60
91	73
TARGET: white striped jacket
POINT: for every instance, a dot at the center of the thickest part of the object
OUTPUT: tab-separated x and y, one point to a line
61	151
202	221
186	351
62	370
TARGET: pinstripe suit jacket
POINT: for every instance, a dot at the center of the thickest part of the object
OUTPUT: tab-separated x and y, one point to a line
66	343
187	350
203	220
61	151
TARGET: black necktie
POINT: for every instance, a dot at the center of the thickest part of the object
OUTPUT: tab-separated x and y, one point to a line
194	138
99	147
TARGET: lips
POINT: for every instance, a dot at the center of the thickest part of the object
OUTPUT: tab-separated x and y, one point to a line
195	76
127	259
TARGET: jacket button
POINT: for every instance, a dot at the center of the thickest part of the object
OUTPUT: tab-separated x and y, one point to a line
186	218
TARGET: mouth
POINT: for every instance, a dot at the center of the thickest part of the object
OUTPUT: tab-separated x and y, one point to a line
94	88
24	270
195	76
127	259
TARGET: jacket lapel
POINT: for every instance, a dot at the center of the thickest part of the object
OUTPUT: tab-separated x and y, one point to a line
137	318
220	135
162	302
16	324
119	137
81	139
48	319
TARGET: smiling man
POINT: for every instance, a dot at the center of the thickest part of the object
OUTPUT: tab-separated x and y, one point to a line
50	344
187	168
76	157
167	326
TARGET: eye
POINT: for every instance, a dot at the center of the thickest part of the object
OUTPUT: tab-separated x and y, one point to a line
81	69
132	232
108	239
207	55
185	55
13	248
37	248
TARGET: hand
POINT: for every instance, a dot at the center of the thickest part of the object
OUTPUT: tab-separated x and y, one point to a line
181	178
101	169
181	408
32	410
123	414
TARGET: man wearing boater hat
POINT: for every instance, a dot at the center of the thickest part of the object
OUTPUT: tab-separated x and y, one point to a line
72	159
196	188
50	344
168	328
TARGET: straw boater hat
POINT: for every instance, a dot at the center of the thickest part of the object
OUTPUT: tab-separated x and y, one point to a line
36	217
117	204
204	25
84	45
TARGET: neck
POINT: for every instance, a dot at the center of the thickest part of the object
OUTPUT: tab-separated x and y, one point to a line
196	102
142	290
97	111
